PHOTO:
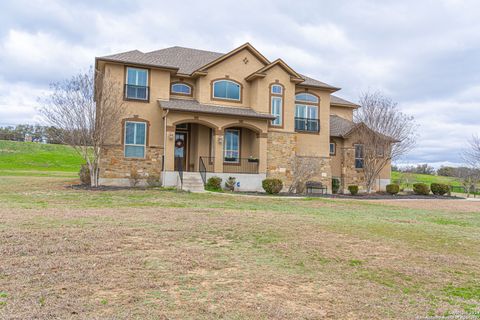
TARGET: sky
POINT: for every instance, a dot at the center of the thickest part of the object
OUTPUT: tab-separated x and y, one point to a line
423	54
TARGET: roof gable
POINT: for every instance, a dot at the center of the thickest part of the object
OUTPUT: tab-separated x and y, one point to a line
279	62
246	46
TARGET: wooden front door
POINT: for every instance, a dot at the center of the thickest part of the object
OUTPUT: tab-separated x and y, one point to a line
181	151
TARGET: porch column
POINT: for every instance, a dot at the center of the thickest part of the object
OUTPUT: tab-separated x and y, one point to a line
169	146
262	152
219	140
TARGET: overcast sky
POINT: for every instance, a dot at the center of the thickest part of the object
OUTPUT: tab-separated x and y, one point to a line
423	54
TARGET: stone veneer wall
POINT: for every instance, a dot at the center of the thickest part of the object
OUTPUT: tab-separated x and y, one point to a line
350	175
280	160
113	164
281	151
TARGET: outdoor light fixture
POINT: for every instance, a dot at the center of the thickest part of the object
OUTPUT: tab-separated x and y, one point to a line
170	135
220	139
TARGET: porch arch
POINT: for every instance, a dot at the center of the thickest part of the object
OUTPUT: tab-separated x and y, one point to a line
198	121
252	127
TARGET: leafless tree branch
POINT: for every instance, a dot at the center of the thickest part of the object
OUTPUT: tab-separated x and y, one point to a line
87	109
386	133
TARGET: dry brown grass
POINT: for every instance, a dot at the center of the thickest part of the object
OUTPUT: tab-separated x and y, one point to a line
71	258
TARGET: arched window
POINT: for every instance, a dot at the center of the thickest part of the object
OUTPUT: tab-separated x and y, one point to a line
226	90
306	112
181	88
306	97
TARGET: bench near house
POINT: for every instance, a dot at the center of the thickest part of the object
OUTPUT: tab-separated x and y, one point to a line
192	114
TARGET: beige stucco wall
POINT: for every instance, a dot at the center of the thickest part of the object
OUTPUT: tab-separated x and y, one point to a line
344	112
233	68
159	89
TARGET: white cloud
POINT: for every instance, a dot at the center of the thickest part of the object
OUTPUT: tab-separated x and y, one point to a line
423	54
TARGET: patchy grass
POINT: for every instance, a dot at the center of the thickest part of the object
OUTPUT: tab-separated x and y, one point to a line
155	253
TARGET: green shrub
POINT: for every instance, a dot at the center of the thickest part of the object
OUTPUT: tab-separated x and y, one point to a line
421	188
335	185
439	189
84	174
272	186
230	183
214	184
353	190
393	188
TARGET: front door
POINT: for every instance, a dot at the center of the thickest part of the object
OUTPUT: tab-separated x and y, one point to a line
180	151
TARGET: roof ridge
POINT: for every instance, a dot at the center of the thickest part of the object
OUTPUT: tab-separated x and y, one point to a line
180	47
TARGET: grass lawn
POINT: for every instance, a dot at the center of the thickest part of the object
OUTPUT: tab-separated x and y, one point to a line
21	158
157	254
428	178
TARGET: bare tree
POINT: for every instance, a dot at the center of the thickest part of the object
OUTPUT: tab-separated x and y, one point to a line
385	132
470	176
304	168
471	155
87	109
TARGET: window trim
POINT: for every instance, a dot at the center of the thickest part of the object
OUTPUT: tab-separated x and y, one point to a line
334	149
276	84
135	120
212	96
355	156
239	130
180	93
282	105
307	104
125	71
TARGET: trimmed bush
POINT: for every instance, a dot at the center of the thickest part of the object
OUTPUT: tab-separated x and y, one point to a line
84	174
439	189
353	190
392	188
272	186
214	184
335	185
421	188
230	183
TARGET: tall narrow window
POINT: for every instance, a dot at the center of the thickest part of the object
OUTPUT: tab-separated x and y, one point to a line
359	156
276	104
227	90
306	112
136	84
135	139
332	148
232	145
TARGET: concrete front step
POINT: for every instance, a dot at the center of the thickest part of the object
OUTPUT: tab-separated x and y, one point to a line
192	181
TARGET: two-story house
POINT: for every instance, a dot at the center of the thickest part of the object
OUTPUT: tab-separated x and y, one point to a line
193	114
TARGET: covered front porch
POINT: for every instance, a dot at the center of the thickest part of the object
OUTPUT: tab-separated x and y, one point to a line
215	144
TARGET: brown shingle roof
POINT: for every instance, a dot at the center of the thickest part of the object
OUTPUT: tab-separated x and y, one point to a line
339	126
195	106
315	83
339	101
186	60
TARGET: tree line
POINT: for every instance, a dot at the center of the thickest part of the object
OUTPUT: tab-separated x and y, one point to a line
28	132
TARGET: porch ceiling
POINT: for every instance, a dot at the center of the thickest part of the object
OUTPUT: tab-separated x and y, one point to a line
195	106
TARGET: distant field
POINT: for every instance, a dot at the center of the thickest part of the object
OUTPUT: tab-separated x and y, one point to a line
28	158
428	178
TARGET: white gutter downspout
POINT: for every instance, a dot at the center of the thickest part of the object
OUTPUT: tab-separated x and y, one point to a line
164	145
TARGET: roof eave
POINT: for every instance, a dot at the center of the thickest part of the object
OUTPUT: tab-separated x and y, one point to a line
326	88
168	68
